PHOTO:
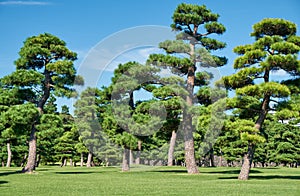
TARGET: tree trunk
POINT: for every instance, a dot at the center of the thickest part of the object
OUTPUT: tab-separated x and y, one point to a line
138	154
24	160
247	161
125	163
9	154
71	162
172	148
62	161
130	157
65	162
30	166
38	158
81	159
245	170
89	160
189	146
187	118
211	157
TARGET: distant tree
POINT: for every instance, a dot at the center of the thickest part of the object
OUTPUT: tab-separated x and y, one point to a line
130	122
276	48
190	20
15	121
45	67
87	121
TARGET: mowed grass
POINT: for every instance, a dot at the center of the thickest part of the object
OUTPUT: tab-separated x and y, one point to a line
146	180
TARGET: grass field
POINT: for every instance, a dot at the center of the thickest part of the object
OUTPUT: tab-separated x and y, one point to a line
146	180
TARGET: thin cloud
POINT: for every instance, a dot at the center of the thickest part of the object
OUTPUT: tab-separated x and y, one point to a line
23	3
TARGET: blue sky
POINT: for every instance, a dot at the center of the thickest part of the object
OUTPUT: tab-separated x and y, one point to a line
83	24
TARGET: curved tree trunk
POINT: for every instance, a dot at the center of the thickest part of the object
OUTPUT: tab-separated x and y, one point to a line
247	161
31	162
9	154
125	163
89	160
30	166
172	148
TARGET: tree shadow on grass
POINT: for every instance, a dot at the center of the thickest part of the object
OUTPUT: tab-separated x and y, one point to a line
3	182
269	177
77	172
236	171
9	173
169	171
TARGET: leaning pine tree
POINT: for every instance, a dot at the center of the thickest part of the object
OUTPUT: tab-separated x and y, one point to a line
276	48
45	67
194	47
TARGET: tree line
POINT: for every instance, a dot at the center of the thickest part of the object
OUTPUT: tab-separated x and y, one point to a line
186	117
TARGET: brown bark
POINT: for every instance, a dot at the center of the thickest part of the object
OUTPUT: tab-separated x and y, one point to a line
9	154
187	123
31	162
30	166
89	160
125	163
138	154
247	161
172	148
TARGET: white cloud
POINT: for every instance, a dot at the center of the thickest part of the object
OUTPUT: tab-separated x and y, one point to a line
23	3
280	73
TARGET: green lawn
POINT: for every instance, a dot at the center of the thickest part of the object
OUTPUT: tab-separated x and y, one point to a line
145	180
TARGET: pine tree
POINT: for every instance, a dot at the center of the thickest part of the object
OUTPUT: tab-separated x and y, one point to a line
45	67
276	48
189	20
87	121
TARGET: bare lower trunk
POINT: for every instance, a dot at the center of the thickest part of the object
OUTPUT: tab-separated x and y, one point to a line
89	160
130	157
247	161
138	154
9	154
172	148
211	158
71	162
62	161
81	160
65	162
189	146
38	158
30	166
125	163
24	160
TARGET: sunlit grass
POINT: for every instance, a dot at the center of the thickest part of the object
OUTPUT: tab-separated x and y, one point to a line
145	180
